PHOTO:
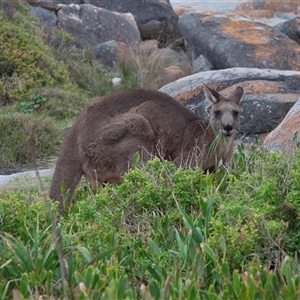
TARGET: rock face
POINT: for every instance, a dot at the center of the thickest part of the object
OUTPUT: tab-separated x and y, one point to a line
90	25
287	134
291	28
230	40
46	16
268	94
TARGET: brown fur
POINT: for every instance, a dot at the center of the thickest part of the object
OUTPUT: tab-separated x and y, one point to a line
103	140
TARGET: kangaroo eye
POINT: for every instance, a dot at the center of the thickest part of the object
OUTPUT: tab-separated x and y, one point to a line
235	113
217	113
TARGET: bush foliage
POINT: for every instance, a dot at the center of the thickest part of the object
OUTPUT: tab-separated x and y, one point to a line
165	233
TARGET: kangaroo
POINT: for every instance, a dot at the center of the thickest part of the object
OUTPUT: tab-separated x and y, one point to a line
103	140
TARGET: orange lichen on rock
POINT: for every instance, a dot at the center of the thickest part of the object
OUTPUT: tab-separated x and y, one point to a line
256	14
188	95
257	87
246	30
179	11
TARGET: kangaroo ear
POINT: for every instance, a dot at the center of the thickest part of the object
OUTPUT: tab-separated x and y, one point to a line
236	96
211	95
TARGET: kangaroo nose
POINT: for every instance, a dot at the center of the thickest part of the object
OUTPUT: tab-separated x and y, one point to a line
227	129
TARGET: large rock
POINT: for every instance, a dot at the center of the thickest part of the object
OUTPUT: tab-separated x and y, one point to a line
90	25
201	64
287	135
171	56
269	94
155	19
232	40
50	4
46	16
112	53
291	28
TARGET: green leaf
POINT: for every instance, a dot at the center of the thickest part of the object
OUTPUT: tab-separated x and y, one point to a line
33	279
207	213
208	251
122	287
21	252
136	158
154	247
181	246
105	254
78	277
85	253
49	258
88	276
236	281
49	282
154	290
24	285
5	264
154	274
197	234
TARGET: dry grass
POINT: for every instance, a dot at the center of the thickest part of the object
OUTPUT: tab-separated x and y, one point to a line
152	70
26	139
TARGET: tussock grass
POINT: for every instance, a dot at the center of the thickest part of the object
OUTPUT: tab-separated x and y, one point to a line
26	138
150	70
62	105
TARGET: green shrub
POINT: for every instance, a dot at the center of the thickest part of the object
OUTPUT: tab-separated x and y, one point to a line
25	62
164	233
33	102
259	213
26	138
148	192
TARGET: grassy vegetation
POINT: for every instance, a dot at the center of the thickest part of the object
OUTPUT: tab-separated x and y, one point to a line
165	233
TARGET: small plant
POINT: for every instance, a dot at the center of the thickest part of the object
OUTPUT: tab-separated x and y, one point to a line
33	103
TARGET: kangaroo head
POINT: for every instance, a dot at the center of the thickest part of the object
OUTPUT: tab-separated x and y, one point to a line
224	112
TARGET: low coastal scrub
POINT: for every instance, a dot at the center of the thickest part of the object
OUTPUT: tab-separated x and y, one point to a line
165	233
